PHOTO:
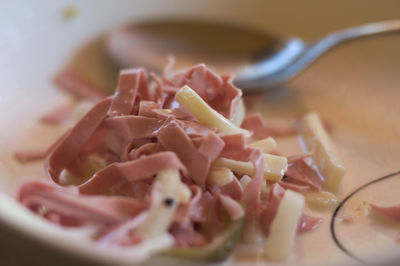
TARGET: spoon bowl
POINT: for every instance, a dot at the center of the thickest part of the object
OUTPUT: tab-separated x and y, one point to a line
225	47
259	60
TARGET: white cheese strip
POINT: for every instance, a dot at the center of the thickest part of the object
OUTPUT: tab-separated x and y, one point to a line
170	185
315	139
283	229
161	213
266	145
239	114
244	181
274	166
200	110
220	176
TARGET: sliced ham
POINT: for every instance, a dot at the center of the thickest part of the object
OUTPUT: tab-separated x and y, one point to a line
211	146
234	209
308	223
134	170
67	202
233	189
74	83
303	174
251	194
71	144
270	207
391	212
58	115
173	138
141	134
260	129
133	126
26	156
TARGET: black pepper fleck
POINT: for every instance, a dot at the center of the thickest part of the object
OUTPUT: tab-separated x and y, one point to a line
169	202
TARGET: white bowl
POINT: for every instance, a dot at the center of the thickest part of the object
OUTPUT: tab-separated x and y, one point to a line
35	42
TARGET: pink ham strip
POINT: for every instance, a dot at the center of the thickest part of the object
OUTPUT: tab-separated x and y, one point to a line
26	156
236	148
211	146
226	101
147	108
233	189
125	151
293	185
198	77
270	207
135	170
218	91
193	210
173	138
159	97
30	155
128	85
268	211
301	156
308	223
72	82
146	149
122	233
301	172
137	190
391	212
260	129
194	129
233	208
133	127
68	202
72	143
251	194
58	115
186	236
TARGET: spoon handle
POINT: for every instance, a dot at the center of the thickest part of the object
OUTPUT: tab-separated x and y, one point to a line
313	50
367	30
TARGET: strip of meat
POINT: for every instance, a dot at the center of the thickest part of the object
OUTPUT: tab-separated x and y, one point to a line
173	138
132	127
71	81
308	223
301	172
58	115
129	83
72	143
233	189
251	194
301	156
67	202
255	123
233	208
26	156
391	212
294	185
135	170
270	207
211	146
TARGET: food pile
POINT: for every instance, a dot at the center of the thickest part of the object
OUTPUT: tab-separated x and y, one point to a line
175	159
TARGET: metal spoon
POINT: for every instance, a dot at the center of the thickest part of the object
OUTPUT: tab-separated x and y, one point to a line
260	60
